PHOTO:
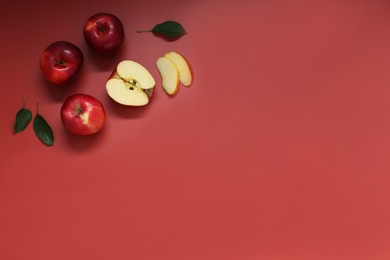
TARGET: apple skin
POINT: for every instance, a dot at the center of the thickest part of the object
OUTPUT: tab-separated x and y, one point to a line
60	62
83	114
104	33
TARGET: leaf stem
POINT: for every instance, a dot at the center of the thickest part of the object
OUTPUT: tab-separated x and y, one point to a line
142	31
24	101
37	107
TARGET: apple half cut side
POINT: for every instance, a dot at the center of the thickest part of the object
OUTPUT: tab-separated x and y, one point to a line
169	75
183	66
130	84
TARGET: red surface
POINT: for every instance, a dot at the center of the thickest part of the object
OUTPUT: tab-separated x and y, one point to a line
280	149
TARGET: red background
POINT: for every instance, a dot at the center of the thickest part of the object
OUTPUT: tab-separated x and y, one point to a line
279	150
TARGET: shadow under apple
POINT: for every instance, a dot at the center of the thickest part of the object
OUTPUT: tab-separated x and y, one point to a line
106	61
83	143
124	111
60	92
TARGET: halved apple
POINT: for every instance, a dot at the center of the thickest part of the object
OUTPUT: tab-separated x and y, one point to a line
130	84
183	66
169	75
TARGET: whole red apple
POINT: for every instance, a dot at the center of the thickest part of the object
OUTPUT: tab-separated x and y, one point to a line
82	114
104	33
60	62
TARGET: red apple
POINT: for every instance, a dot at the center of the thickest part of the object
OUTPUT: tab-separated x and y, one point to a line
82	114
60	62
104	33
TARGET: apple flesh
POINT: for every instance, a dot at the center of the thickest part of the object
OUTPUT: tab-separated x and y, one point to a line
130	84
169	75
104	33
183	66
174	70
60	62
82	114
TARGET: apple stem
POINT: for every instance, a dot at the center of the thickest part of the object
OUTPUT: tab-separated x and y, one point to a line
79	110
37	107
101	28
61	63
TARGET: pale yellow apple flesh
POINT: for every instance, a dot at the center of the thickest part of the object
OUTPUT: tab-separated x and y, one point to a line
131	84
119	90
131	70
169	75
183	66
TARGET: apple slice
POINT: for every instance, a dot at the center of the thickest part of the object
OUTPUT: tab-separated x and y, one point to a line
169	75
130	84
183	66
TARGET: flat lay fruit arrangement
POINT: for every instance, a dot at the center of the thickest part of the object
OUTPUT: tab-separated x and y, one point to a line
130	83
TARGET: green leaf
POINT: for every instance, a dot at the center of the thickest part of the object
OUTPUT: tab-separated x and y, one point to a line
169	29
23	118
42	130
